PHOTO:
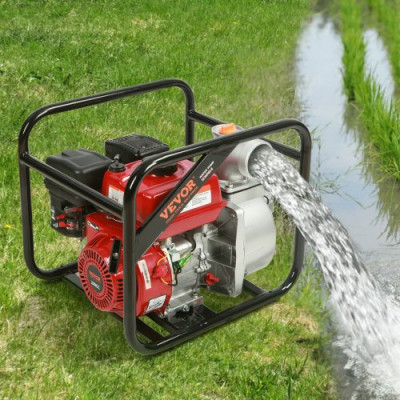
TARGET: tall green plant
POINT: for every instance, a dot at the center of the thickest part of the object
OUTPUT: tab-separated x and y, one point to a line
381	119
388	14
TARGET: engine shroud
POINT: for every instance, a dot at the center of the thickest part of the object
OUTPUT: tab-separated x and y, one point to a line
104	287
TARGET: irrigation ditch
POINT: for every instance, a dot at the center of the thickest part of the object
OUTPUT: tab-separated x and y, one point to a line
350	180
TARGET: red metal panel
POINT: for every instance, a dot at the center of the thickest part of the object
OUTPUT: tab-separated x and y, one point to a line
203	209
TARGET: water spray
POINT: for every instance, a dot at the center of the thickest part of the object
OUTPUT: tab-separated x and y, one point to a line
367	316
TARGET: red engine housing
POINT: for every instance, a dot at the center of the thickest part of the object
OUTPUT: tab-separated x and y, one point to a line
202	209
154	272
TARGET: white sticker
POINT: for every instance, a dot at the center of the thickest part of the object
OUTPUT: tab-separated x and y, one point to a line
116	195
156	303
145	272
202	198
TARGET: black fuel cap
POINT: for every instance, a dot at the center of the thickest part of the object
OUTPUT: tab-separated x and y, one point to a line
165	171
116	165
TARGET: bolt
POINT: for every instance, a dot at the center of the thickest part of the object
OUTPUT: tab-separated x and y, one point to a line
185	308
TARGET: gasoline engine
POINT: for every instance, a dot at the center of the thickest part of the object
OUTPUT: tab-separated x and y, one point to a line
225	232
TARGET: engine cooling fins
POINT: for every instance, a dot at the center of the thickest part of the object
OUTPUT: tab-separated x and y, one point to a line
96	279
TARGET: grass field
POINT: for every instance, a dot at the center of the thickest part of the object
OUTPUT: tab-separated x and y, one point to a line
381	119
238	57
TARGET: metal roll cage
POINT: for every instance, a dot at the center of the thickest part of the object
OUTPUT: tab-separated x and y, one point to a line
135	243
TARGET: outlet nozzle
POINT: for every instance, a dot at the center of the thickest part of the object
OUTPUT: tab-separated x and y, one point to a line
236	166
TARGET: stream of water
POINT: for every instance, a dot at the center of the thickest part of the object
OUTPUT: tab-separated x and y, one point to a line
351	184
365	313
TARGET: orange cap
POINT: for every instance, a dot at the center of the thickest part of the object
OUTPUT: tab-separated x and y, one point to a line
227	129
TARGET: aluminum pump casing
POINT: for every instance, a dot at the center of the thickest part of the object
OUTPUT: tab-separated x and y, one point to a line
240	242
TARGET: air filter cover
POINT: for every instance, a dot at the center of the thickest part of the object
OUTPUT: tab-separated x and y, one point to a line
134	147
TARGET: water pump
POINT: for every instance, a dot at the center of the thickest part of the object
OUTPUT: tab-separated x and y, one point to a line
218	238
160	226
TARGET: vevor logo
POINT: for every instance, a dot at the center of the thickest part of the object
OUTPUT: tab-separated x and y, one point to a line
178	199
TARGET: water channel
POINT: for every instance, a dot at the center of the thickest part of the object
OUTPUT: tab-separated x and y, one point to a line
351	184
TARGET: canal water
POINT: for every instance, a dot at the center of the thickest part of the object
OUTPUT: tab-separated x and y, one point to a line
350	182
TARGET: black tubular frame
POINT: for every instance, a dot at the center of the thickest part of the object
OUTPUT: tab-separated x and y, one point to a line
135	243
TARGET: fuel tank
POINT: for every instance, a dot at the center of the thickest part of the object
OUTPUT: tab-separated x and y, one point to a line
202	209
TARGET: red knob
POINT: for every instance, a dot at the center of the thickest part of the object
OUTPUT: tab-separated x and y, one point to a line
160	271
210	279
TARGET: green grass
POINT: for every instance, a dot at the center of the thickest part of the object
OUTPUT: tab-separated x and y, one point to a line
238	57
380	119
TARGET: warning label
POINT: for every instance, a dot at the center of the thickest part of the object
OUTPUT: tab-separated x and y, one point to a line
156	303
116	195
202	198
145	272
